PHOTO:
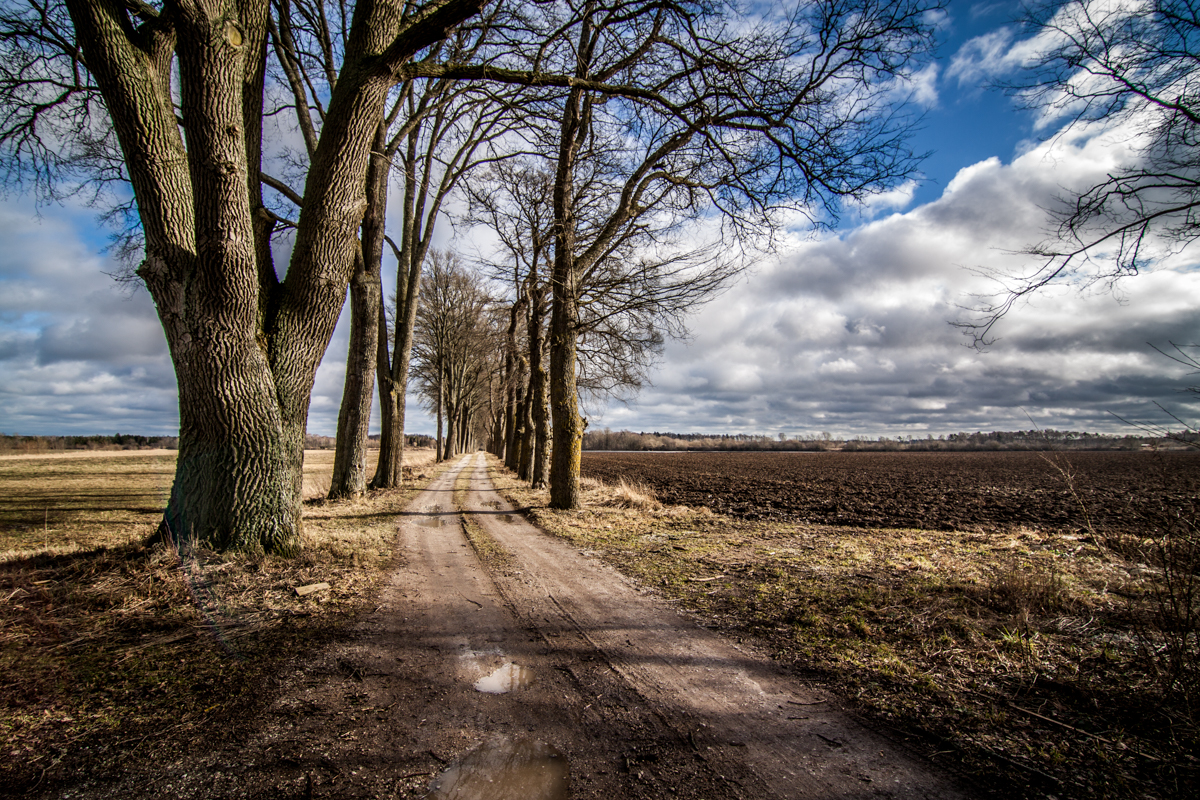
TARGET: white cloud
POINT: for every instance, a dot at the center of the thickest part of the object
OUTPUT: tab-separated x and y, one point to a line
843	366
892	200
919	88
851	333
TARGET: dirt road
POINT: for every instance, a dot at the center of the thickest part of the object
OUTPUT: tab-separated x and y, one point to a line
545	675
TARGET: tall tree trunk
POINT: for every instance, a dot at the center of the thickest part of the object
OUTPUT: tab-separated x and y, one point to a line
564	395
564	311
512	379
438	450
391	416
393	374
525	428
513	448
354	417
539	391
451	431
366	298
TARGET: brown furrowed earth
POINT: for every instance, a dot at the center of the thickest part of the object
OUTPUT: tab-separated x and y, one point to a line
933	491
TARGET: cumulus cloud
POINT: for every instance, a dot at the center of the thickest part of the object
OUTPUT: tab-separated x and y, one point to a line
893	200
79	353
851	333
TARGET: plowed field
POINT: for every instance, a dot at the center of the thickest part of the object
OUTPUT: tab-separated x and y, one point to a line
936	491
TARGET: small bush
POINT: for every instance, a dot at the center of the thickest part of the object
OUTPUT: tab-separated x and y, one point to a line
635	495
1024	587
1169	622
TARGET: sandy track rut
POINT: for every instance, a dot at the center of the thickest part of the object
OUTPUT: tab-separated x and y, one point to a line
739	711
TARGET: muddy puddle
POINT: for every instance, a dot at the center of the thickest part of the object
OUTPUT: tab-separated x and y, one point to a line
505	768
504	679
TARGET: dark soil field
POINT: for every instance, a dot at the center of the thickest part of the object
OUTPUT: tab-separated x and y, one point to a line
1113	491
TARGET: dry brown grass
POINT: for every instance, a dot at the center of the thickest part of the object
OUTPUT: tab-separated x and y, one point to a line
106	643
1011	655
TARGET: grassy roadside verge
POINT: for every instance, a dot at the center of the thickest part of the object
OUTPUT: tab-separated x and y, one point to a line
1012	656
109	648
487	549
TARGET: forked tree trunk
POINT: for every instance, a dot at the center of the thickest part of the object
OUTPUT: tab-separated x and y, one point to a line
393	373
239	470
245	347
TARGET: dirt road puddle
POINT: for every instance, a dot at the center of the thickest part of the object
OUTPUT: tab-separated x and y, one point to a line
505	768
506	678
431	522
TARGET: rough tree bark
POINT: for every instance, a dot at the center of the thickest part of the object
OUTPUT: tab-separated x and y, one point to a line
366	299
539	388
525	431
564	311
245	346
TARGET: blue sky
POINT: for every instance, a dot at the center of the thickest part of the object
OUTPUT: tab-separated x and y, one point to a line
847	332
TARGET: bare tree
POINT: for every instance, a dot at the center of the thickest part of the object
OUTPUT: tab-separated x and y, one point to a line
455	127
435	132
456	348
678	109
1128	66
513	200
675	110
182	85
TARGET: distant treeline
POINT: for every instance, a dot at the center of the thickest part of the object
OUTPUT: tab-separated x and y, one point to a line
998	440
315	442
118	441
127	441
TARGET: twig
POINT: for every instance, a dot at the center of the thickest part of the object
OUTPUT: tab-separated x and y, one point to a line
1081	731
414	775
1014	762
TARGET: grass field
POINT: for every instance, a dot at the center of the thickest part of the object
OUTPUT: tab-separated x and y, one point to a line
107	643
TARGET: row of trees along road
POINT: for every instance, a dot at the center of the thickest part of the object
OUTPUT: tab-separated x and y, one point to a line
647	115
